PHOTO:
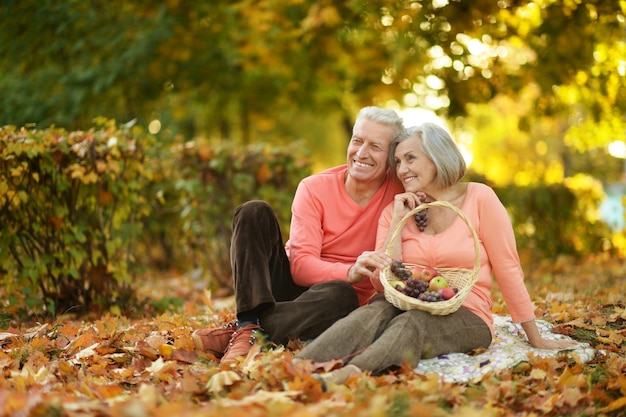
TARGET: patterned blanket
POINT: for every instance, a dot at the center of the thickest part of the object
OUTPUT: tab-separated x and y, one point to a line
507	350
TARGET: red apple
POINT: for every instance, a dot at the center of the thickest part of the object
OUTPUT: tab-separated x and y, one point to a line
437	283
427	273
447	293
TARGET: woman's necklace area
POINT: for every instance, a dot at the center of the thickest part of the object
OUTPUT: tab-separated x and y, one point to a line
421	217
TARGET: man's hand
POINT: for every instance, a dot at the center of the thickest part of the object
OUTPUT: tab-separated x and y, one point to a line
366	265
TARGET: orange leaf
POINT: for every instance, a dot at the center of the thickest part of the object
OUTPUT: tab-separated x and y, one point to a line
107	391
190	384
185	356
569	379
56	221
105	197
263	174
146	350
570	397
166	351
155	341
615	405
105	350
327	365
205	153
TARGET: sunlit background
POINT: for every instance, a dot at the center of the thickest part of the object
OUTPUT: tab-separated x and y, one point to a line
533	91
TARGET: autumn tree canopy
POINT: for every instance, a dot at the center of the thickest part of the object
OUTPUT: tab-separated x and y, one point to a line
245	70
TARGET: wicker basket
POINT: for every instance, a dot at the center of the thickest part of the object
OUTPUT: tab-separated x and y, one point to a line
463	279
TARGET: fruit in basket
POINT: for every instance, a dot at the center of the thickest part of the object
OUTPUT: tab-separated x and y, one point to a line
398	284
422	283
400	270
425	273
417	283
437	283
447	292
431	296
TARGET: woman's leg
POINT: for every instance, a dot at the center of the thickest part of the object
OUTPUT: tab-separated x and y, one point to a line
416	334
351	334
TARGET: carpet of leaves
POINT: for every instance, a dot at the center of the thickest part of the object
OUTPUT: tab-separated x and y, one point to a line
145	364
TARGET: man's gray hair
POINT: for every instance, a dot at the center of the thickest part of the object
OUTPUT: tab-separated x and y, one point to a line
384	116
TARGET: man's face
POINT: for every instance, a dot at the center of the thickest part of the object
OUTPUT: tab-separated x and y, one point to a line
367	151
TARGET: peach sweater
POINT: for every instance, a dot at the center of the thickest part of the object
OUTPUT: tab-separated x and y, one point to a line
329	230
454	248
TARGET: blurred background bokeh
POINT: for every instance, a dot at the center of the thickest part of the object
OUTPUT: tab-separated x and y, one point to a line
534	91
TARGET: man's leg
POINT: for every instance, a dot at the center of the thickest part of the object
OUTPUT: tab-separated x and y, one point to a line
261	272
311	313
260	267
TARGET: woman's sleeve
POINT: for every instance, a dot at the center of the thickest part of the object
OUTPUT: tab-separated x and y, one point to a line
498	238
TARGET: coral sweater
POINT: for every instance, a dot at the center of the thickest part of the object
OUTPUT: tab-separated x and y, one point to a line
329	230
454	248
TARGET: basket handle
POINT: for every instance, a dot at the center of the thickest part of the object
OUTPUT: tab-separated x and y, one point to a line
424	206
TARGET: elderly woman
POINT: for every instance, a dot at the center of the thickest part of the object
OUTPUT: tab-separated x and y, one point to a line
378	337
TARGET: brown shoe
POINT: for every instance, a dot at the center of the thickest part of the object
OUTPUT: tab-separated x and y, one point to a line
214	341
241	342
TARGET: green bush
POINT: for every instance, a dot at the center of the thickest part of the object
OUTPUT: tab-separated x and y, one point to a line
84	212
196	190
71	205
558	219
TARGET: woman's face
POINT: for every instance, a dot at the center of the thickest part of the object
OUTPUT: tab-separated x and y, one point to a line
414	169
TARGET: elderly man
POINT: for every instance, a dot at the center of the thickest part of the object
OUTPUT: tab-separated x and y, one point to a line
298	289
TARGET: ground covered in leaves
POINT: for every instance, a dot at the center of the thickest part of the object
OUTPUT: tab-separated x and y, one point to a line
115	365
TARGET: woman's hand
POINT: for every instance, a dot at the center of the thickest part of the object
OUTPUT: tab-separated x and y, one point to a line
366	265
537	341
403	203
554	344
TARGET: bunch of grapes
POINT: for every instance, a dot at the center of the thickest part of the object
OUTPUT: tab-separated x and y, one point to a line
421	218
415	287
400	271
430	296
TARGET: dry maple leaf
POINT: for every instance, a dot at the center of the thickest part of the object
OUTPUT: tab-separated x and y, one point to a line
155	340
614	405
269	400
219	381
327	366
570	397
146	350
184	356
85	353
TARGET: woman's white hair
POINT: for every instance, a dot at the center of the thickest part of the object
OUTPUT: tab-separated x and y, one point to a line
440	148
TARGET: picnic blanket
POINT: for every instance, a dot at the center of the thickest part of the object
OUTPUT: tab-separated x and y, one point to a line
507	350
